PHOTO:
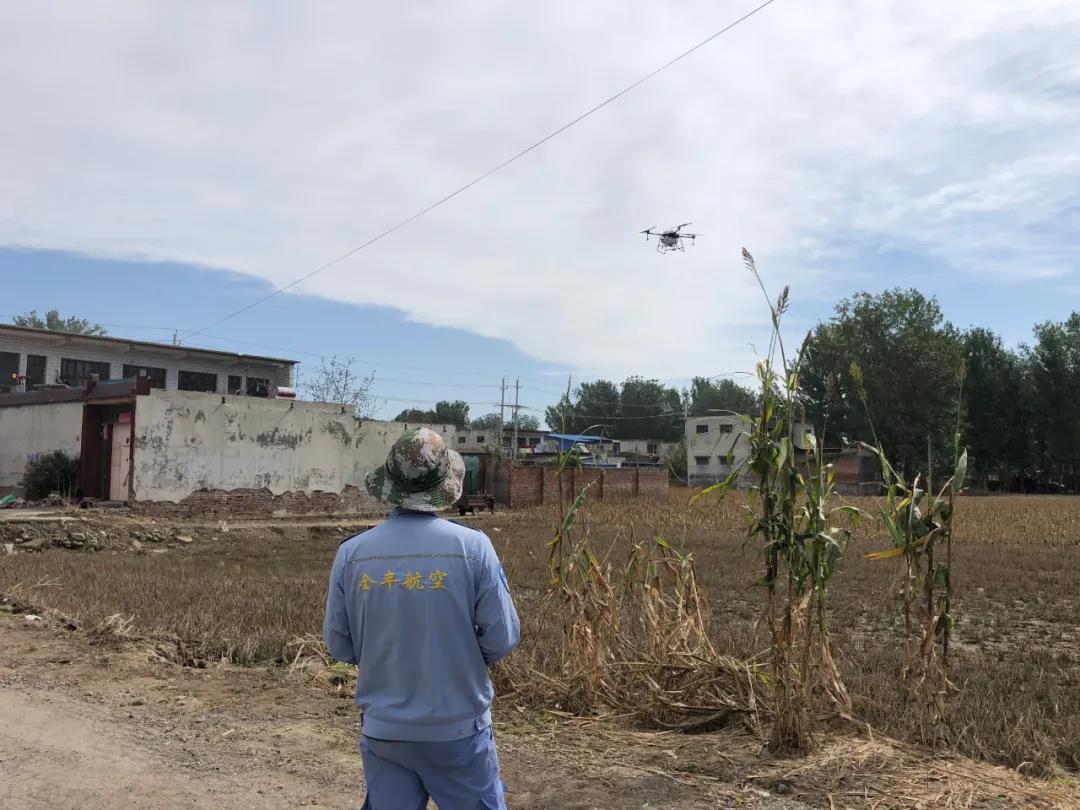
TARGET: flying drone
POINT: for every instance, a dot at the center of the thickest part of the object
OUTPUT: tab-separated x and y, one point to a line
670	238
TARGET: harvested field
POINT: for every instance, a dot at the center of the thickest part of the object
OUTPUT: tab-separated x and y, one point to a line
245	595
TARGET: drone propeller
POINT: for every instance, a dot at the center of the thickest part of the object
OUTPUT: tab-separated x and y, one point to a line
649	230
683	225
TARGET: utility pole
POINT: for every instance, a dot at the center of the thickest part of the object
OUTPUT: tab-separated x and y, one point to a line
502	410
514	442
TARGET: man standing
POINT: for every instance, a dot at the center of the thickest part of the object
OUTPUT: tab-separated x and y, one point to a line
422	607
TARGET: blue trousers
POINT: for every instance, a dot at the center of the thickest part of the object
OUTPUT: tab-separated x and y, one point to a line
458	775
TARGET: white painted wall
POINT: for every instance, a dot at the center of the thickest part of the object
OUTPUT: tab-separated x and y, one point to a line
187	441
714	445
641	447
30	430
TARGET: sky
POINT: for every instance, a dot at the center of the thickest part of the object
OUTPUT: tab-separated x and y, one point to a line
164	165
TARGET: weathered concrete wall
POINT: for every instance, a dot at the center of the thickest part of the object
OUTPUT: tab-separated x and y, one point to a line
190	442
29	430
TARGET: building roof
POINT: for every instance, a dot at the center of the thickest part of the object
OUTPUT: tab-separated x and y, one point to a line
169	348
576	438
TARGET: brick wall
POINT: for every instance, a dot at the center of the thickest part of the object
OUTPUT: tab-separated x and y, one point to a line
257	503
533	486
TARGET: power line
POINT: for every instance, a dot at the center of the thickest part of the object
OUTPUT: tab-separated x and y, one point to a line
377	396
486	174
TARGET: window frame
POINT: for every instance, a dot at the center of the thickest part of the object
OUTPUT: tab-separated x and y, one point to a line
88	366
205	375
134	370
252	387
30	381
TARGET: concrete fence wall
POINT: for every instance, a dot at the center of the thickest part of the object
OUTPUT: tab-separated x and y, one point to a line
207	454
32	430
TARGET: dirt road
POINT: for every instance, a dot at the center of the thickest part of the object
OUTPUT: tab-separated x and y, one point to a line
89	725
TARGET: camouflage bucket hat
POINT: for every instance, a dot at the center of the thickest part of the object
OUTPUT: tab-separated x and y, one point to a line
421	473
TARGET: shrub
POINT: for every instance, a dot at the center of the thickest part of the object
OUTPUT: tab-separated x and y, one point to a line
52	472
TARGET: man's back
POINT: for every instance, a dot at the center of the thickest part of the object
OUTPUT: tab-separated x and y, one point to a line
421	605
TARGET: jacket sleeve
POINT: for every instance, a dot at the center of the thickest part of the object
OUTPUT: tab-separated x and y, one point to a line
336	631
497	626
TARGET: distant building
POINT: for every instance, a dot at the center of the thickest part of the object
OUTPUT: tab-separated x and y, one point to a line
39	358
652	450
487	440
714	446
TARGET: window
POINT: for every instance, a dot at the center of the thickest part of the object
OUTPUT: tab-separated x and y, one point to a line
725	428
522	441
615	447
9	371
77	372
461	440
650	449
702	428
197	381
479	438
35	370
236	384
258	387
155	375
701	461
534	441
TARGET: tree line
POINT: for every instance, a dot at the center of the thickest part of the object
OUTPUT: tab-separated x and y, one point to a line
1017	411
456	413
641	408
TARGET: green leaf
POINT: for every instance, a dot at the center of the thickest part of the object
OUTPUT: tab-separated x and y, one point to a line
960	473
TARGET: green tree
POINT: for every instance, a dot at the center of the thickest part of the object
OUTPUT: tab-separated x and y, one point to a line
707	396
454	413
998	408
910	359
560	416
526	421
594	403
444	413
54	323
489	421
648	410
1054	366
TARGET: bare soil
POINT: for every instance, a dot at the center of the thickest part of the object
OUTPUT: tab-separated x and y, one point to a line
92	725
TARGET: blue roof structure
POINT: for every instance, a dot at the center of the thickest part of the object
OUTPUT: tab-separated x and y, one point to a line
568	440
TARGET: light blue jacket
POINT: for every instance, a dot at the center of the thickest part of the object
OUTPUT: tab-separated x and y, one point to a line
422	607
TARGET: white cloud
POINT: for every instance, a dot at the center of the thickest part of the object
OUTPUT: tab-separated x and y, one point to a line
268	139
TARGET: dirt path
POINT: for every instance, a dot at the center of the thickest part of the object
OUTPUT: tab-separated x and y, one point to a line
61	752
88	725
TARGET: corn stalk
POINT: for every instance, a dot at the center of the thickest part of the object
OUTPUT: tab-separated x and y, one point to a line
918	521
801	537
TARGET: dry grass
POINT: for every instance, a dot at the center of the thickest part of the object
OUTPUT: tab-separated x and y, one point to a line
248	596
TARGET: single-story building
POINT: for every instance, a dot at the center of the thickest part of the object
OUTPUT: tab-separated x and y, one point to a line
32	359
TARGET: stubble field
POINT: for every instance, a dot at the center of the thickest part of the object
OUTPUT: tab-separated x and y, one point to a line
248	594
